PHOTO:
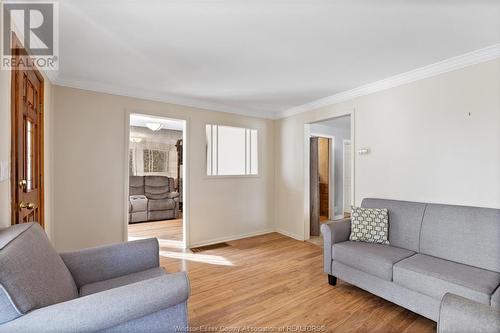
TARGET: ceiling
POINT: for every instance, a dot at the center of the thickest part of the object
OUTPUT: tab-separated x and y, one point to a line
166	123
260	57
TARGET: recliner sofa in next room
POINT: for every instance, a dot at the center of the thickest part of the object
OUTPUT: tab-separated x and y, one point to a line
152	198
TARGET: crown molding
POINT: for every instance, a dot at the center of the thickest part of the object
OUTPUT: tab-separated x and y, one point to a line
158	97
50	75
451	64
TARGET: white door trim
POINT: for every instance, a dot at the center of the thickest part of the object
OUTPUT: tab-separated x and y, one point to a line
344	142
185	172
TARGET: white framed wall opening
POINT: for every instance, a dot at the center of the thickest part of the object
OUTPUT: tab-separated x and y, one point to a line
339	132
231	151
156	179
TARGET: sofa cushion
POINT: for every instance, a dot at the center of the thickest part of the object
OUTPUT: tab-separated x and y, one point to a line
158	187
32	274
136	185
164	204
138	217
96	287
468	235
369	225
8	311
376	259
138	203
435	277
495	298
405	220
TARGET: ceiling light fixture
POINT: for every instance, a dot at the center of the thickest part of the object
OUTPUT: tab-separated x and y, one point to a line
154	126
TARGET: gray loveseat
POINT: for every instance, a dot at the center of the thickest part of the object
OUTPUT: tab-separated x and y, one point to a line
152	198
116	288
461	315
434	249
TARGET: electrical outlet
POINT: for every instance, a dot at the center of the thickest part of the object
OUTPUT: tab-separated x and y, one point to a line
4	171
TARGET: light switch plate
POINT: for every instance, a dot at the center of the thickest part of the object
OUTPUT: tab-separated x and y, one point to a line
4	171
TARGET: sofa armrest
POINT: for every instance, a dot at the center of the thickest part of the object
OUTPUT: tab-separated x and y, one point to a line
105	309
333	232
111	261
458	314
173	195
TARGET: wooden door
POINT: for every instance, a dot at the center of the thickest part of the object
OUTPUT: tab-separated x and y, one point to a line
27	142
324	177
314	188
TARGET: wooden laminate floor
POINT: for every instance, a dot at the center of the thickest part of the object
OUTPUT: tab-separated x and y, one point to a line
274	281
168	229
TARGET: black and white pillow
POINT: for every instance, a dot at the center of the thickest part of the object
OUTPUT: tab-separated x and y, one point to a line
369	225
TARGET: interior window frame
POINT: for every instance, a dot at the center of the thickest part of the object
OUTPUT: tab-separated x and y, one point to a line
249	164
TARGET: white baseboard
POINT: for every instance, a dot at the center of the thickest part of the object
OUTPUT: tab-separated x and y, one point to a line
246	235
290	234
230	238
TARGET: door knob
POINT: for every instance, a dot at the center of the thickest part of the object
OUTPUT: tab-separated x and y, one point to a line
27	205
22	184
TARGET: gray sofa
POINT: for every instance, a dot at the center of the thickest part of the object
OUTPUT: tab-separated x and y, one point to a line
434	249
116	288
461	315
152	198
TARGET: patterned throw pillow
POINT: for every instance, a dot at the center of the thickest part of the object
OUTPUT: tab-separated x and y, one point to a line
369	225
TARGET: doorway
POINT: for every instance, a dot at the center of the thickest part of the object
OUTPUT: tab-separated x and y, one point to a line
27	171
329	175
322	179
156	179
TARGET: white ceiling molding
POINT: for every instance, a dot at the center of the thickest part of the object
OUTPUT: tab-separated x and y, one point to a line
175	54
157	97
454	63
51	75
458	62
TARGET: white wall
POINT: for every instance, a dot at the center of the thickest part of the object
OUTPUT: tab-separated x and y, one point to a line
5	150
424	147
424	144
89	147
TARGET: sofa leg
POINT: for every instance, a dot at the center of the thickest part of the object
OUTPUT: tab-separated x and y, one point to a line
332	280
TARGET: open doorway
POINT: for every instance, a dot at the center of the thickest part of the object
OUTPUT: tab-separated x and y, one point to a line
330	180
321	179
156	179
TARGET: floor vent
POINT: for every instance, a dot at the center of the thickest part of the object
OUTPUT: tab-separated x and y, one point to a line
209	247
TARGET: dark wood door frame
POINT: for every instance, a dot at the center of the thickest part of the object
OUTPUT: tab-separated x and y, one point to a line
18	51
